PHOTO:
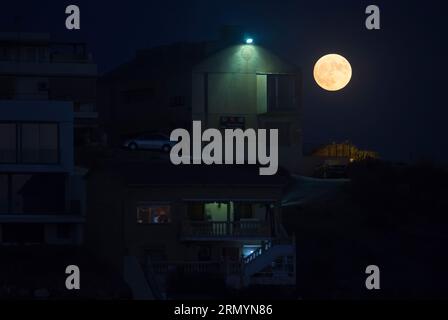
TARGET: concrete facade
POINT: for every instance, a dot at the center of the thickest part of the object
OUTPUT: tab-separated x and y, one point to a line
235	83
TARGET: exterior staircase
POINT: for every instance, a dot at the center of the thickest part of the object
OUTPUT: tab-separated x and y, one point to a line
264	257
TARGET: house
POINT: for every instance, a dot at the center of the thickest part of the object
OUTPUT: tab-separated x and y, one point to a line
41	194
34	68
224	84
153	221
332	160
47	100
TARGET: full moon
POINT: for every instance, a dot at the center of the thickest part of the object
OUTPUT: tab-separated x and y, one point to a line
332	72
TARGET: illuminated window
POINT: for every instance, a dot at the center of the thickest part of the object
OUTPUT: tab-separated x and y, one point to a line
153	214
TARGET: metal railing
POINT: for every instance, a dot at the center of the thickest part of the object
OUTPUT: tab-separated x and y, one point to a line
195	267
210	229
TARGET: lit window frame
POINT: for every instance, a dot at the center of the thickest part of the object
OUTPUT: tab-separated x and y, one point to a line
150	218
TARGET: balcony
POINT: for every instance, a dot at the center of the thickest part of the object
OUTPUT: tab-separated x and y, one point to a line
197	267
225	230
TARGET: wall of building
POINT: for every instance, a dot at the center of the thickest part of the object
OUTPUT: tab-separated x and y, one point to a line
104	220
233	83
155	102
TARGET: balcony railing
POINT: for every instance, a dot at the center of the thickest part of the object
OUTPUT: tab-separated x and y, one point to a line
225	229
197	267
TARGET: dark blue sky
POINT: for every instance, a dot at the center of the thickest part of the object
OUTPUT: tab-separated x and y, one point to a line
395	103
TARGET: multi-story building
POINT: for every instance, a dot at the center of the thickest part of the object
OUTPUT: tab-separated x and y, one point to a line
155	222
35	68
44	93
225	85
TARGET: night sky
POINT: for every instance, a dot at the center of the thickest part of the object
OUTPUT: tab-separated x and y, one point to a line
393	105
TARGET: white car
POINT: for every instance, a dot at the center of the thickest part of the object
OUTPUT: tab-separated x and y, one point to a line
150	141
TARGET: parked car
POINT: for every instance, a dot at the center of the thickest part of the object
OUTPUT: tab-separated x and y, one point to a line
151	141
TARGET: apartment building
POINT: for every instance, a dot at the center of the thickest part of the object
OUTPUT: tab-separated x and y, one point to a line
34	68
223	84
154	222
46	95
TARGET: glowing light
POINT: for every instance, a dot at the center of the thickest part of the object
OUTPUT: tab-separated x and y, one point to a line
332	72
249	41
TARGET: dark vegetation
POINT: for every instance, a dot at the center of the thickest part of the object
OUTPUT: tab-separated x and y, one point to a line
393	216
38	272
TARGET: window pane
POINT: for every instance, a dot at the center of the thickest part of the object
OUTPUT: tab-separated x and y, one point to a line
48	143
29	197
284	132
196	211
8	143
272	92
30	143
64	231
281	90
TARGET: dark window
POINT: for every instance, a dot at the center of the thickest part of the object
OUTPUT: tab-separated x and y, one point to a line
42	86
64	231
243	211
231	254
8	143
4	53
281	90
204	253
284	132
196	211
39	143
42	193
232	122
